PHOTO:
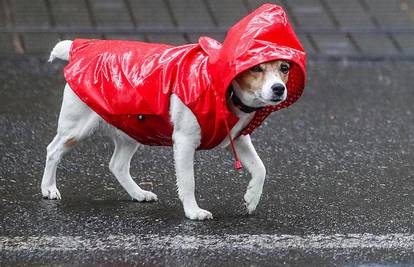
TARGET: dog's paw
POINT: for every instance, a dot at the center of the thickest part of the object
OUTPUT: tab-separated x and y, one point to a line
198	214
51	193
251	199
144	196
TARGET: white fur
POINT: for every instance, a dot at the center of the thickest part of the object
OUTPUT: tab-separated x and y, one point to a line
77	121
249	158
263	97
61	50
267	93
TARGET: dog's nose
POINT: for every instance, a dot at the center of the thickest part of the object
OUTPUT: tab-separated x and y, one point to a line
278	89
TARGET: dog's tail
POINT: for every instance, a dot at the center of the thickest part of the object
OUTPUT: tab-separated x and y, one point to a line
61	50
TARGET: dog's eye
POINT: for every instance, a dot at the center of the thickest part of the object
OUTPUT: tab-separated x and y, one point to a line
284	68
256	69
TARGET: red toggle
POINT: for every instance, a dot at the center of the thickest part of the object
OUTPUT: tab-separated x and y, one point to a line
238	165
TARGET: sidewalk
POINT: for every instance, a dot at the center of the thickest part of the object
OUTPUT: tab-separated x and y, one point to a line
332	29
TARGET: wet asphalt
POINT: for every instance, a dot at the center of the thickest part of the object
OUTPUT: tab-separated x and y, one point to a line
340	162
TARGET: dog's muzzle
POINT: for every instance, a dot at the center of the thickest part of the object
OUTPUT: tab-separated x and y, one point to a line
278	90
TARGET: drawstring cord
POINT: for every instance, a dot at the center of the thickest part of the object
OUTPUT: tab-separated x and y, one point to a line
237	164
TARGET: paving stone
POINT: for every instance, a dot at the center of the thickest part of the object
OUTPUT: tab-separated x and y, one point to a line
227	12
174	39
217	36
197	14
307	45
3	21
391	13
73	13
253	4
151	13
39	43
406	42
6	44
350	14
378	44
191	13
129	37
310	14
334	44
109	13
409	3
72	36
30	13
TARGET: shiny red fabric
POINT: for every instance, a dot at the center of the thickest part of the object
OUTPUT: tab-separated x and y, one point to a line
129	84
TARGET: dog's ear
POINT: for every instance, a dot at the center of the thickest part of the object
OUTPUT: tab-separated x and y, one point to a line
210	46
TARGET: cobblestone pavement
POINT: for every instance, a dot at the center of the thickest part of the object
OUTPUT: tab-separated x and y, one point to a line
329	29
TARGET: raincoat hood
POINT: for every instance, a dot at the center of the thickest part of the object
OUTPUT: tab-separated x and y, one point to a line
262	36
129	84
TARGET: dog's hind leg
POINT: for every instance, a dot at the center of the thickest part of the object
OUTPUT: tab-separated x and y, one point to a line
76	121
55	150
125	148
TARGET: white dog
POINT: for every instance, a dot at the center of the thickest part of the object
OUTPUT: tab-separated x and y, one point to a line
260	86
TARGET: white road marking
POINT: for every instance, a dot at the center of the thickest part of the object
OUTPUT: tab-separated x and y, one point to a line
211	242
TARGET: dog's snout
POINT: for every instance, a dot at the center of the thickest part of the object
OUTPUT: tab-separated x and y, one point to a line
278	89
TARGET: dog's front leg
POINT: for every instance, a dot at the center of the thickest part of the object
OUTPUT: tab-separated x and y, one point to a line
249	158
184	149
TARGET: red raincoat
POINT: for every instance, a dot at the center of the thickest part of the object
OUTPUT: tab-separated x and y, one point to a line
129	84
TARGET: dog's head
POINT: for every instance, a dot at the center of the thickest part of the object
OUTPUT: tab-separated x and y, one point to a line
263	84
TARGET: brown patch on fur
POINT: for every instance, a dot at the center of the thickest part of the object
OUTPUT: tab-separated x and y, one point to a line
252	81
70	142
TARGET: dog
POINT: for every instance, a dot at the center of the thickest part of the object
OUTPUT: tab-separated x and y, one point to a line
276	81
261	85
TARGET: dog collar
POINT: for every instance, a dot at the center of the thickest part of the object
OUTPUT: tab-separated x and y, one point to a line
239	104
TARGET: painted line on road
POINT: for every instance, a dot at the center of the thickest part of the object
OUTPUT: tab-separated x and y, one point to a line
212	242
